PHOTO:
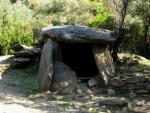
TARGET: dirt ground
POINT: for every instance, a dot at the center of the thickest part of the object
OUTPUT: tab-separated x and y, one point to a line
19	94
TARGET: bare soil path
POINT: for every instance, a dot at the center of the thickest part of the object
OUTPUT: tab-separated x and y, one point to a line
11	99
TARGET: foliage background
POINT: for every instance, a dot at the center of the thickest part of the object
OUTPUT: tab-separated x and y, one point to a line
19	19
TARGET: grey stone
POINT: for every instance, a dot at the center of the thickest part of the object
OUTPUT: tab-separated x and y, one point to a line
116	82
28	52
114	102
44	78
135	79
64	79
75	110
131	86
139	86
132	94
123	88
24	54
36	50
122	91
83	88
141	91
147	86
19	47
111	92
92	82
146	71
104	62
22	60
80	34
57	51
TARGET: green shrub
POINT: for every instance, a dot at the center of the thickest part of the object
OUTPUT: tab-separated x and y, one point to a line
56	20
20	20
102	21
103	16
49	7
76	12
99	7
16	24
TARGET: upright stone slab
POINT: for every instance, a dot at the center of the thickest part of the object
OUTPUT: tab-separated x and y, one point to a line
57	52
104	63
46	67
64	79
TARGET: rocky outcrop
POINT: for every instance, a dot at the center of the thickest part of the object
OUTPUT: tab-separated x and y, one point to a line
25	55
114	102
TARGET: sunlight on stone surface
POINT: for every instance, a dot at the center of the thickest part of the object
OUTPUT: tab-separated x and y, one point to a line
4	58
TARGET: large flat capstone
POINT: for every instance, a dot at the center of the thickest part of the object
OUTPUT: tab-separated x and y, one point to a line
78	34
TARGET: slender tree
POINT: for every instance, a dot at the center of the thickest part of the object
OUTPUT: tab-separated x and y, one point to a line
120	7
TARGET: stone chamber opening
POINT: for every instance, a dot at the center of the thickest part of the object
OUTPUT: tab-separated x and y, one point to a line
79	57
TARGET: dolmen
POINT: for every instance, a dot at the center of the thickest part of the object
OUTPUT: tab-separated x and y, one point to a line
72	52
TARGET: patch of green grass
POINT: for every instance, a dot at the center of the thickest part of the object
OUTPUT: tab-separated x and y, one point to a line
145	62
143	67
27	78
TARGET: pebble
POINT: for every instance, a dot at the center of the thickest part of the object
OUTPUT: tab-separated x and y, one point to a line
111	92
92	82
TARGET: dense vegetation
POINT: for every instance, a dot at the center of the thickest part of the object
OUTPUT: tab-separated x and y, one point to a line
20	19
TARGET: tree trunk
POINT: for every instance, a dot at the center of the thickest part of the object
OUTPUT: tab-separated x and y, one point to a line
146	27
121	30
145	40
117	44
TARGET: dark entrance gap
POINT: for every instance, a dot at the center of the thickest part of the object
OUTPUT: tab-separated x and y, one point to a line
79	57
